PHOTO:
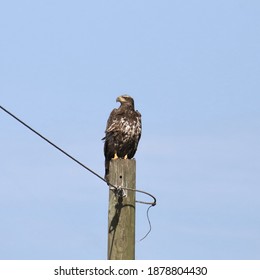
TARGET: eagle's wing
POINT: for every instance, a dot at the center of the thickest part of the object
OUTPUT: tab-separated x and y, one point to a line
111	128
113	121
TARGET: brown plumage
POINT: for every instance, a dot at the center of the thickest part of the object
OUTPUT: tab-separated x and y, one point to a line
123	132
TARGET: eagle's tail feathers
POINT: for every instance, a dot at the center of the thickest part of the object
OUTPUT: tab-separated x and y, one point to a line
107	170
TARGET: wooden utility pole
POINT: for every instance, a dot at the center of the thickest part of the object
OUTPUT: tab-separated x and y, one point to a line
121	211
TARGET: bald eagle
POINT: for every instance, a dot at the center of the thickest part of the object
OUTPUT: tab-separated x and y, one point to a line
123	132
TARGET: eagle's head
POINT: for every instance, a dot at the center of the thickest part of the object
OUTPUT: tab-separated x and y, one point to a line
125	100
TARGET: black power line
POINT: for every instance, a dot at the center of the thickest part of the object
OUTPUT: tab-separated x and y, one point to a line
51	143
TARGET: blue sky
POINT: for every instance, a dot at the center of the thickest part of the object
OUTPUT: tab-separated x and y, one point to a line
193	68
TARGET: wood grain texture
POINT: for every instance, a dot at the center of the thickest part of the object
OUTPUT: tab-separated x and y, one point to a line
121	212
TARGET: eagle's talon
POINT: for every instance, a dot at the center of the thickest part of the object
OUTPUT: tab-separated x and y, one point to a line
115	156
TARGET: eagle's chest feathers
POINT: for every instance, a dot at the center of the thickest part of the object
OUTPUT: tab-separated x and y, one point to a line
130	127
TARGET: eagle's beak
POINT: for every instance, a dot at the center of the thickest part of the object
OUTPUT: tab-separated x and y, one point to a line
120	99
